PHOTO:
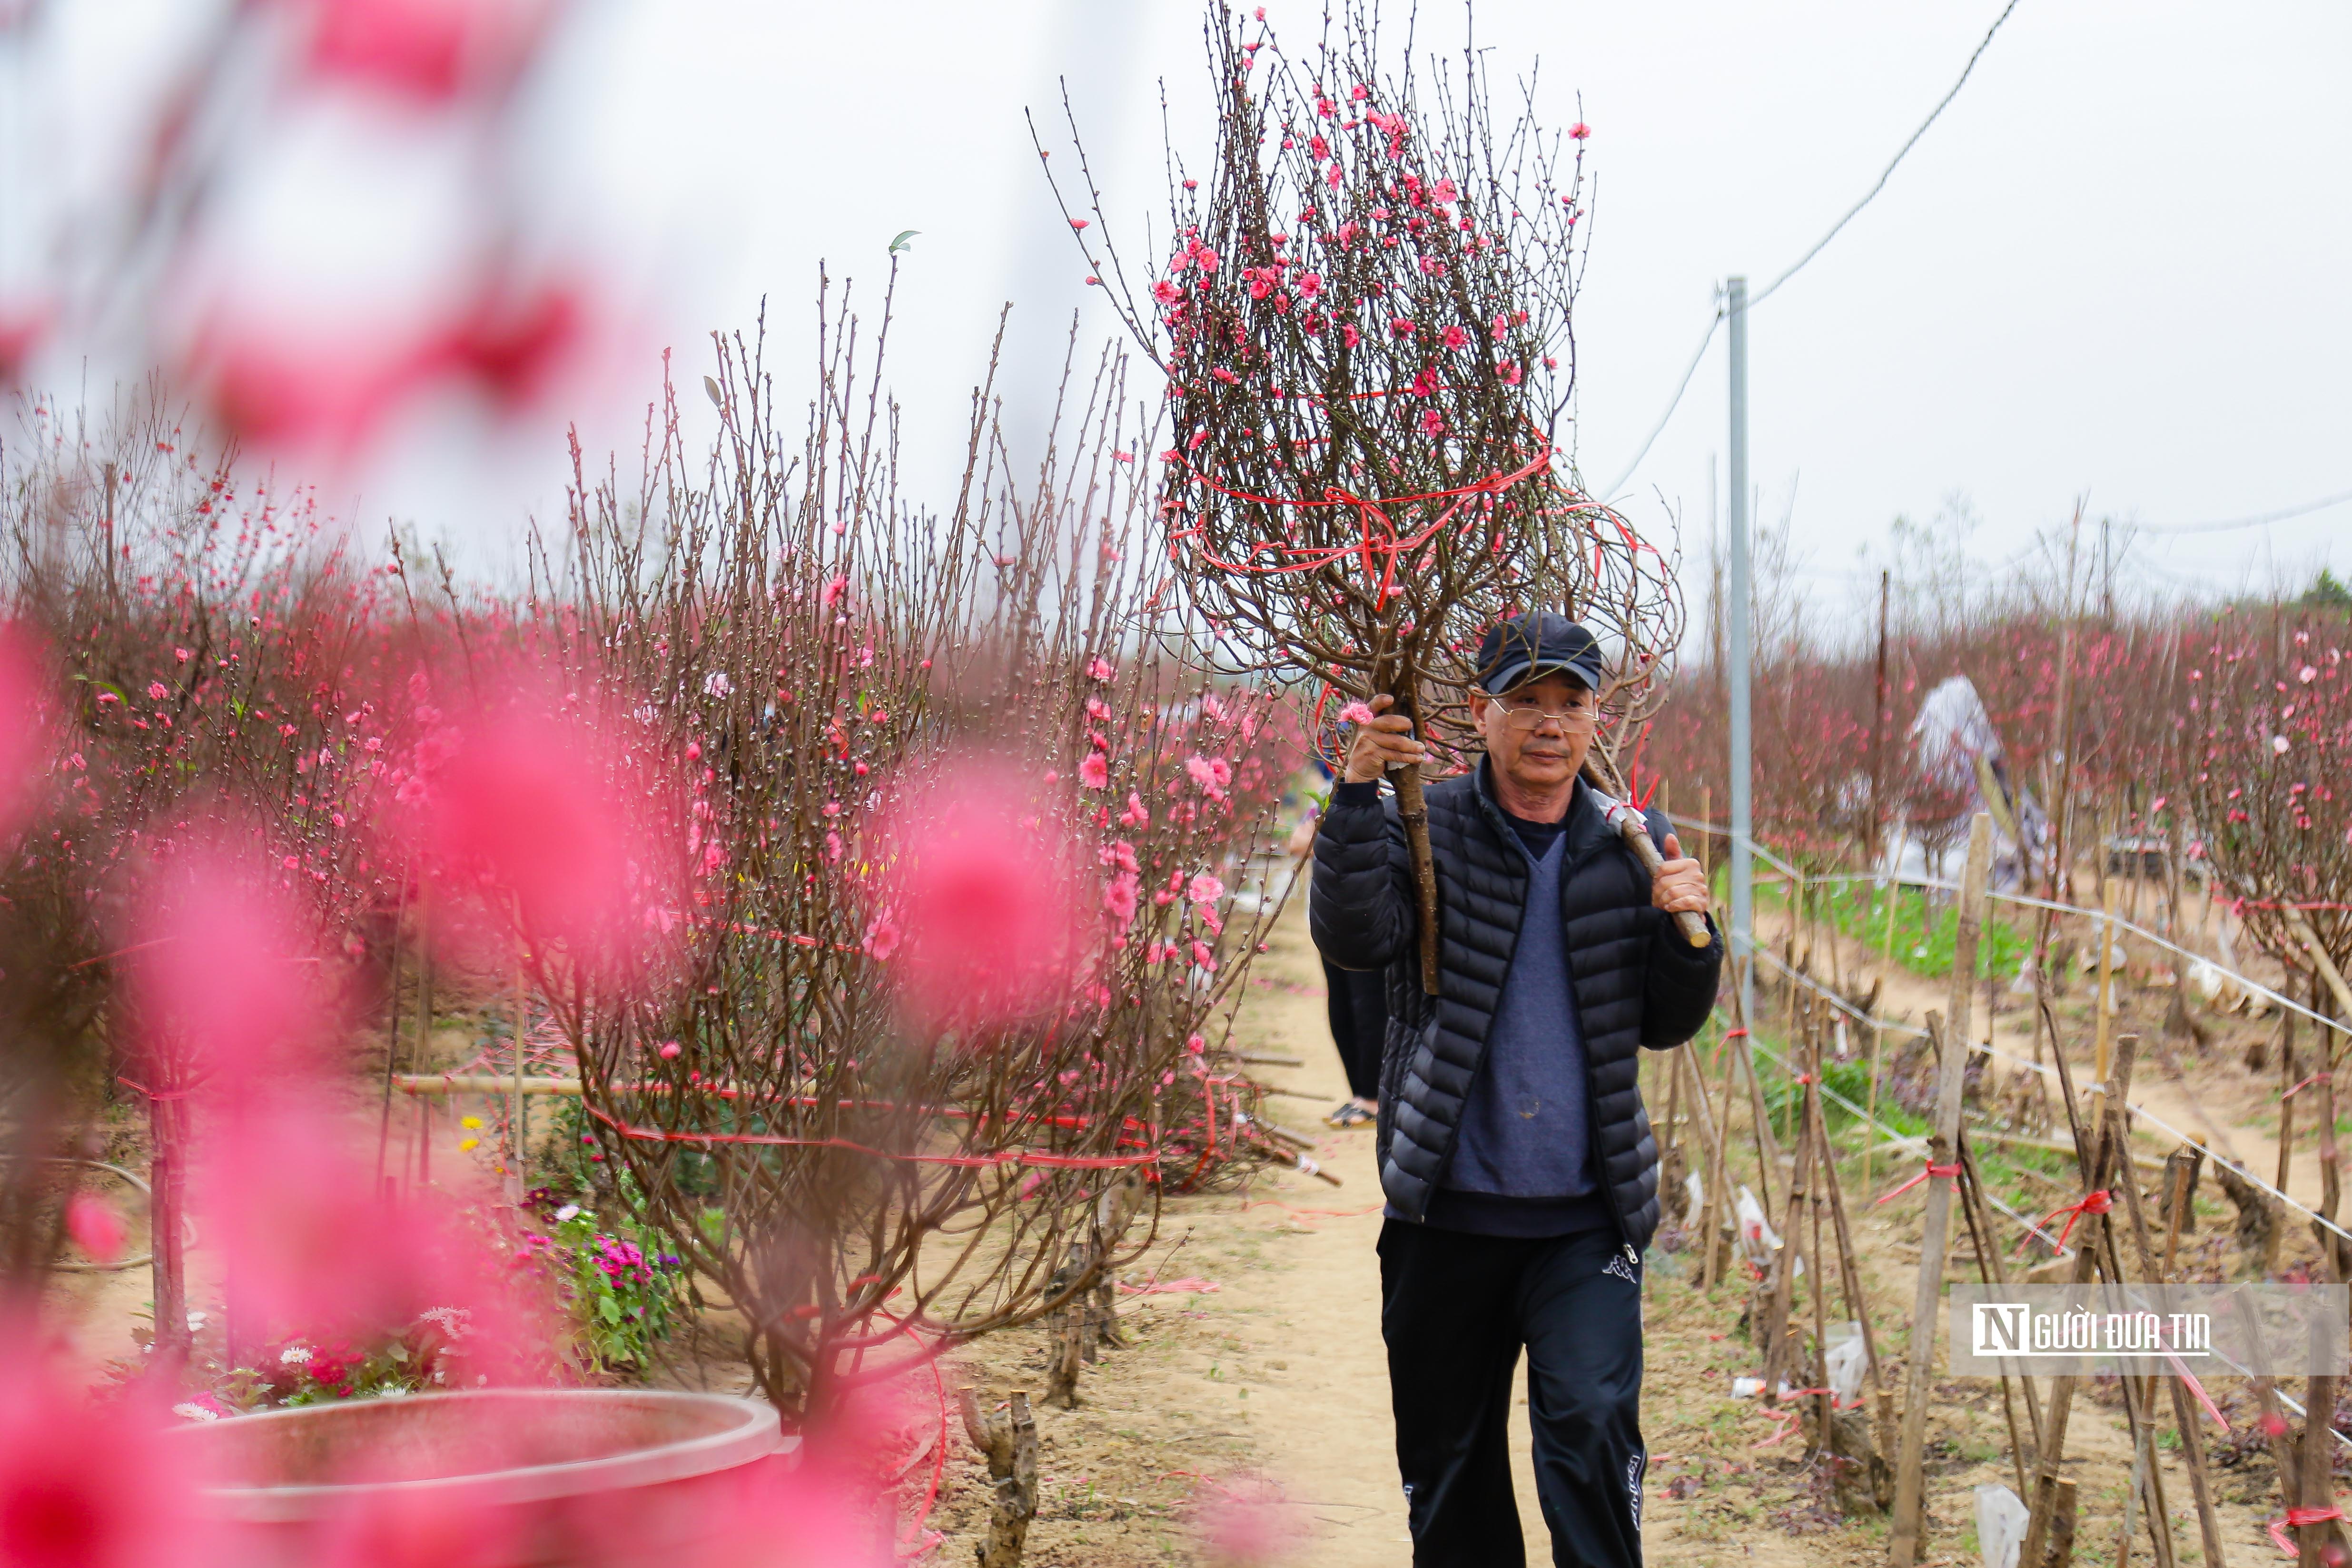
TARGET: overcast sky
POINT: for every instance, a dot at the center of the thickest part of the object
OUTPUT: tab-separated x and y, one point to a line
2115	269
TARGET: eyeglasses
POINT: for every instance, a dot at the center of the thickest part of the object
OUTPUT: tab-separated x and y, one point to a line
1532	718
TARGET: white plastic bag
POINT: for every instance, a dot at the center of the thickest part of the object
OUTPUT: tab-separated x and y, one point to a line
1693	1198
1746	1387
2001	1526
1757	1239
1847	1362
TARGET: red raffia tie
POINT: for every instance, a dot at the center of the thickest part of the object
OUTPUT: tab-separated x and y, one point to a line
2298	1518
143	1091
1942	1172
1377	548
2090	1203
2302	1086
961	1162
1734	1034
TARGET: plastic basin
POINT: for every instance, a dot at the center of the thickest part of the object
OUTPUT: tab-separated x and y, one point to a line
645	1456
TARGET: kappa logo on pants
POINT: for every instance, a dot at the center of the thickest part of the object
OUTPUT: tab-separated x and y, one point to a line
1633	1469
1621	1264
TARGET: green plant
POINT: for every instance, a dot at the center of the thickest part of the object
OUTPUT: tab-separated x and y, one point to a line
624	1297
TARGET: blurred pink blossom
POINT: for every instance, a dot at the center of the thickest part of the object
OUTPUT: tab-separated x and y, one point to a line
1095	771
1243	1522
95	1227
1356	712
225	992
427	50
85	1484
330	1254
536	818
989	911
24	737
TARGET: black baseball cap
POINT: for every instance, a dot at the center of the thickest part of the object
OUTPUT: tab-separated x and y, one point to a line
1536	643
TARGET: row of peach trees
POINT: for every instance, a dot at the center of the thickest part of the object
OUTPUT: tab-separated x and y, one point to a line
2217	737
883	866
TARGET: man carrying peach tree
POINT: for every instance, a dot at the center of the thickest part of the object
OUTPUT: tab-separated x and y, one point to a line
1516	1157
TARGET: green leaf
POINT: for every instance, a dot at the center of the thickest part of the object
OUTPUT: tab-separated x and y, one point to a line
901	243
610	1308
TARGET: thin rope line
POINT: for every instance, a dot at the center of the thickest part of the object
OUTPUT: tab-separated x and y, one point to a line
2308	507
1676	402
2147	1116
1616	488
1943	103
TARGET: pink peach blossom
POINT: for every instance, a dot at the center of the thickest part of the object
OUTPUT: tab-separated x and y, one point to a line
1095	771
990	914
95	1227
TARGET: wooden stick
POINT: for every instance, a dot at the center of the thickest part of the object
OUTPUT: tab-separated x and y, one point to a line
2087	1262
1850	1269
518	1122
1711	1147
1952	1044
1782	1298
1990	1270
2184	1410
1816	1135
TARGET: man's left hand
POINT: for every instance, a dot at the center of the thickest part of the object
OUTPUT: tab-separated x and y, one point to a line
1678	884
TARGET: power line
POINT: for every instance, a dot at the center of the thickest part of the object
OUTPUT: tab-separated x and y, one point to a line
1941	104
2306	508
1889	172
1713	322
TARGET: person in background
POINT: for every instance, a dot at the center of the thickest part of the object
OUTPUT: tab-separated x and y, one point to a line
1357	1002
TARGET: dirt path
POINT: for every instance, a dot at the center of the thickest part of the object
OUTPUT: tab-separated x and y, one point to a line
1272	1385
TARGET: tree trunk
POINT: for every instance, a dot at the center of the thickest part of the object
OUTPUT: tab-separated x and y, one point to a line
1009	1443
1412	811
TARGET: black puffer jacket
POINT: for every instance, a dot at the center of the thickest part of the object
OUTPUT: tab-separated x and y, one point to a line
1636	981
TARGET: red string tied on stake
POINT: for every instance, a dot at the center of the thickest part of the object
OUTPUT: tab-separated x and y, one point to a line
2090	1203
1941	1172
2298	1518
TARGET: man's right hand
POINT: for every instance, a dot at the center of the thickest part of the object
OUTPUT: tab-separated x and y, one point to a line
1384	742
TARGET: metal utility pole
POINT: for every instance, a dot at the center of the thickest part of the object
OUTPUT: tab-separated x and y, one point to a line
1738	622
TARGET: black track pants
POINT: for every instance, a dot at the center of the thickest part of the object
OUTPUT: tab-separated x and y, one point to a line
1456	1309
1357	1003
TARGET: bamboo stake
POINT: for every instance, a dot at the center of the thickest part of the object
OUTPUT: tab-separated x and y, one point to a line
390	1038
1781	1300
1857	1301
518	1122
1870	1145
1952	1044
1825	1402
2286	1101
2087	1262
1711	1148
2107	984
1989	1268
2184	1410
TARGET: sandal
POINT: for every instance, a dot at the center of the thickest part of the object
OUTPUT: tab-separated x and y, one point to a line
1349	1114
